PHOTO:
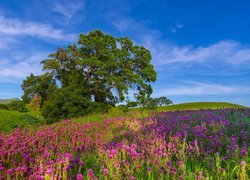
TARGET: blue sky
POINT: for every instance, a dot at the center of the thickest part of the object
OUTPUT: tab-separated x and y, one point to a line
201	49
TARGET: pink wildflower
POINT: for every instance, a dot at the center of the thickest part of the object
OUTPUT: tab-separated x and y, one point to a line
106	172
49	171
91	173
118	165
79	177
180	163
10	171
1	167
243	163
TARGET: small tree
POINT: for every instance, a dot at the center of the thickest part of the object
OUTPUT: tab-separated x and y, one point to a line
163	101
4	106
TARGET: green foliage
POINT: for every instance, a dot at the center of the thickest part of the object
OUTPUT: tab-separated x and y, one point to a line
67	103
101	68
102	65
4	106
17	106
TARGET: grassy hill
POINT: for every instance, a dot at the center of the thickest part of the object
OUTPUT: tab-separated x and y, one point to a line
12	119
6	101
199	105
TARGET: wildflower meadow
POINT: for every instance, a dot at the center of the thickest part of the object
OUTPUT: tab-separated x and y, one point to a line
191	144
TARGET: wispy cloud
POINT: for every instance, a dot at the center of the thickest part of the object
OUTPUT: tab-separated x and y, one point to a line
133	28
227	52
201	89
123	24
16	27
176	27
224	58
68	8
231	52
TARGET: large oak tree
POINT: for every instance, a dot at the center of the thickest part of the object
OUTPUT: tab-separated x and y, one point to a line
102	68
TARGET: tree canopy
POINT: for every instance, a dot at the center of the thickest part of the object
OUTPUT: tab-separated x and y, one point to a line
100	69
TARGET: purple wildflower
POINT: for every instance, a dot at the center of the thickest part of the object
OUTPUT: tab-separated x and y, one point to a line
244	151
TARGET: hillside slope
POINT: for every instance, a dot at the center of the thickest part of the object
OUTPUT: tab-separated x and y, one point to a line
6	101
12	119
199	105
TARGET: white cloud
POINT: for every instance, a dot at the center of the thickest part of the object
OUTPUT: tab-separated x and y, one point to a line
198	89
15	27
16	70
19	70
68	8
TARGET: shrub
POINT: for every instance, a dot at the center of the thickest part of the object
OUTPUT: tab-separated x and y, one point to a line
17	106
4	106
67	103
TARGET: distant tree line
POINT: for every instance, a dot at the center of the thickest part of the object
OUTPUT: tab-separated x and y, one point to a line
149	103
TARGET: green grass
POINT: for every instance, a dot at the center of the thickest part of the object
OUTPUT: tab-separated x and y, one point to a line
13	119
199	105
7	101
